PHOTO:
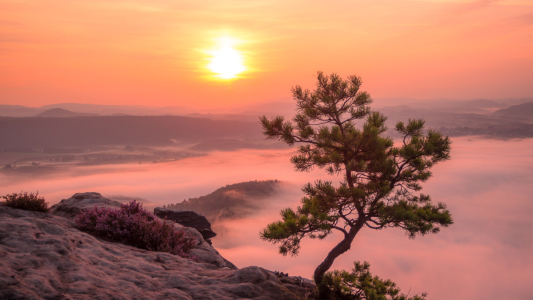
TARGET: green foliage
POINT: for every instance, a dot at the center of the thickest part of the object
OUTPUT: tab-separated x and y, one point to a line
359	284
26	201
380	179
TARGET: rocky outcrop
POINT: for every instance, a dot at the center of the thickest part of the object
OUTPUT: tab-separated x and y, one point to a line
187	218
71	207
43	256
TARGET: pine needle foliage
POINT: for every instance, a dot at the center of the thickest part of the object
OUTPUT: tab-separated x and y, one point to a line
359	284
380	180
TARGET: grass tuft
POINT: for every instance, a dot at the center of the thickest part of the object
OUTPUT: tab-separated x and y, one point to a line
26	201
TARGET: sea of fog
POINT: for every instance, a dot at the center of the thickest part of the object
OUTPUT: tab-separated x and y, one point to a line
487	185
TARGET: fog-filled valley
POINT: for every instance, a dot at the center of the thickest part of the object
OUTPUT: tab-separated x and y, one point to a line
485	254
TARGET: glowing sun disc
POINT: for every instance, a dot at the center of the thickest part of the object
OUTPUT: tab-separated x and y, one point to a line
226	61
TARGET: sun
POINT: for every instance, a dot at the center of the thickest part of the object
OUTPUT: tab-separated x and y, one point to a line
226	62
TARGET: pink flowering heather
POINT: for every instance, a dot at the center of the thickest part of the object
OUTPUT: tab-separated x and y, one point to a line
133	225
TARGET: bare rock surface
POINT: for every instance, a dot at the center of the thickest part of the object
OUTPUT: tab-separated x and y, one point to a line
71	207
187	218
43	256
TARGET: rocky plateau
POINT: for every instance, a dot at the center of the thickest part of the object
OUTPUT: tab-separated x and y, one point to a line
44	256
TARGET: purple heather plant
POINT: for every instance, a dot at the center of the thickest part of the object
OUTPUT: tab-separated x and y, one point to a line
133	225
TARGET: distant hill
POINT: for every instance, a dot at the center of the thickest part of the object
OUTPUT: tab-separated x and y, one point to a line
233	144
524	110
136	110
118	130
479	105
61	113
95	109
233	117
232	201
18	110
484	103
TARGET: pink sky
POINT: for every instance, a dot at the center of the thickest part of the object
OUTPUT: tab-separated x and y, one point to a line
154	52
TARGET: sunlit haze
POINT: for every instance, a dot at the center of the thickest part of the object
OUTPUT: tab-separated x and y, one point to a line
226	62
154	52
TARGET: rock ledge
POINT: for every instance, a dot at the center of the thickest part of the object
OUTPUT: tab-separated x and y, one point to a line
44	256
187	218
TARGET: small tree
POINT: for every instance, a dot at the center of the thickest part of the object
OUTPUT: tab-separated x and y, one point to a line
380	179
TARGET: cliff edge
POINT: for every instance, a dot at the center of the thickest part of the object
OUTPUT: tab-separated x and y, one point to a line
44	256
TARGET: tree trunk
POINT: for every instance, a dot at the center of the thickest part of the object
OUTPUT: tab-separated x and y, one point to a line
341	247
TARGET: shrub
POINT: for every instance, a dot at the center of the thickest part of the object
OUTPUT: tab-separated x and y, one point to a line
133	225
360	284
26	201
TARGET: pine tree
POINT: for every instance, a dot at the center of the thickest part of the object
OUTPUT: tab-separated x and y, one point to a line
380	180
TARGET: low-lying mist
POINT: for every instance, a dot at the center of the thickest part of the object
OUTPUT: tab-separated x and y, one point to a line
485	254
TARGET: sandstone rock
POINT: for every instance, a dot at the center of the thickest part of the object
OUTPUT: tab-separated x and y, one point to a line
187	218
43	256
71	207
255	275
204	251
295	280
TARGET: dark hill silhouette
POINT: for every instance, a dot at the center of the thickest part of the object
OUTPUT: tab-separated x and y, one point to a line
117	130
479	105
61	113
18	110
232	201
524	110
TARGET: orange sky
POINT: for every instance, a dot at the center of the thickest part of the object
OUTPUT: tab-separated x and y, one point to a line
154	52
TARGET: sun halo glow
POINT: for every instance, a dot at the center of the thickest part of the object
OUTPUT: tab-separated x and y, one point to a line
226	62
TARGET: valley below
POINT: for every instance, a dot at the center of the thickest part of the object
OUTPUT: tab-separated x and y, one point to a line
490	173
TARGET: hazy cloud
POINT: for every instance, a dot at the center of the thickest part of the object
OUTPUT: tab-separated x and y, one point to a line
527	18
485	254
